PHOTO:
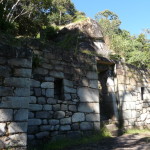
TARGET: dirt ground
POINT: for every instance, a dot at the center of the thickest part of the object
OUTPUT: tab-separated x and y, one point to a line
124	142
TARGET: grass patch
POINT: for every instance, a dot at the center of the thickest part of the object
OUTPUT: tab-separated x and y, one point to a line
137	131
66	142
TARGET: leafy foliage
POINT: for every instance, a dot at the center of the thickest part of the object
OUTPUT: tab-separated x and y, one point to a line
133	50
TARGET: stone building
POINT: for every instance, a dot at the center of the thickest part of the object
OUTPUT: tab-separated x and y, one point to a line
46	92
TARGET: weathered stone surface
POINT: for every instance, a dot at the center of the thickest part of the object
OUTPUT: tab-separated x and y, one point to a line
22	92
22	73
34	122
41	71
25	63
51	101
2	129
73	108
17	127
86	126
46	128
6	115
42	135
37	91
57	74
47	107
41	100
97	125
85	82
92	75
30	115
47	85
53	122
88	107
5	71
50	92
67	96
6	91
21	115
17	82
20	139
59	114
69	90
35	107
32	100
75	126
67	83
65	121
43	114
48	79
65	128
17	102
78	117
35	83
56	107
92	117
88	95
64	107
93	84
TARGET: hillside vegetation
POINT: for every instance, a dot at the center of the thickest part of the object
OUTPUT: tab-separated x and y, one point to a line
43	19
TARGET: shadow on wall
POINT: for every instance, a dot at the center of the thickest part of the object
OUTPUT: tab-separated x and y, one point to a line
133	95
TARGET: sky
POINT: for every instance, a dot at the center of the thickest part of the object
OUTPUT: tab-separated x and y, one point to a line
134	14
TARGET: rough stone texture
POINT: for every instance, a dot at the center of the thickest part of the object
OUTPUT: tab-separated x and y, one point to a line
78	117
86	126
6	115
2	129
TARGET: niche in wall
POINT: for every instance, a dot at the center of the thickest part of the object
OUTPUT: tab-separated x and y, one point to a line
58	89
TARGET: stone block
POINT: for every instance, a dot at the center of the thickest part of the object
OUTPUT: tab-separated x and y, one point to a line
88	95
6	115
57	74
56	107
17	127
35	83
22	73
67	96
41	100
47	107
21	115
92	75
78	117
51	101
89	107
73	108
65	128
19	139
93	84
59	114
47	66
53	122
42	135
92	117
5	71
69	90
47	85
37	91
64	107
67	83
34	122
50	92
75	126
46	128
49	79
22	92
2	129
43	114
20	62
86	126
17	82
97	125
65	121
6	91
85	82
41	71
35	107
30	115
32	100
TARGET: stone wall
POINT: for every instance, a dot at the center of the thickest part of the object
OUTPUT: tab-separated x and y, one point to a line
15	73
75	109
133	92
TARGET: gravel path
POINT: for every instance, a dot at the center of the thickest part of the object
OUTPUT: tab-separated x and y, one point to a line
125	142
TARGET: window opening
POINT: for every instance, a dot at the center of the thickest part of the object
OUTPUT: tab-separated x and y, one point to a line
142	93
58	89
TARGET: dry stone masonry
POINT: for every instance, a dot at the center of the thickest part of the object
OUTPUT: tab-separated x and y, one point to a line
55	94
